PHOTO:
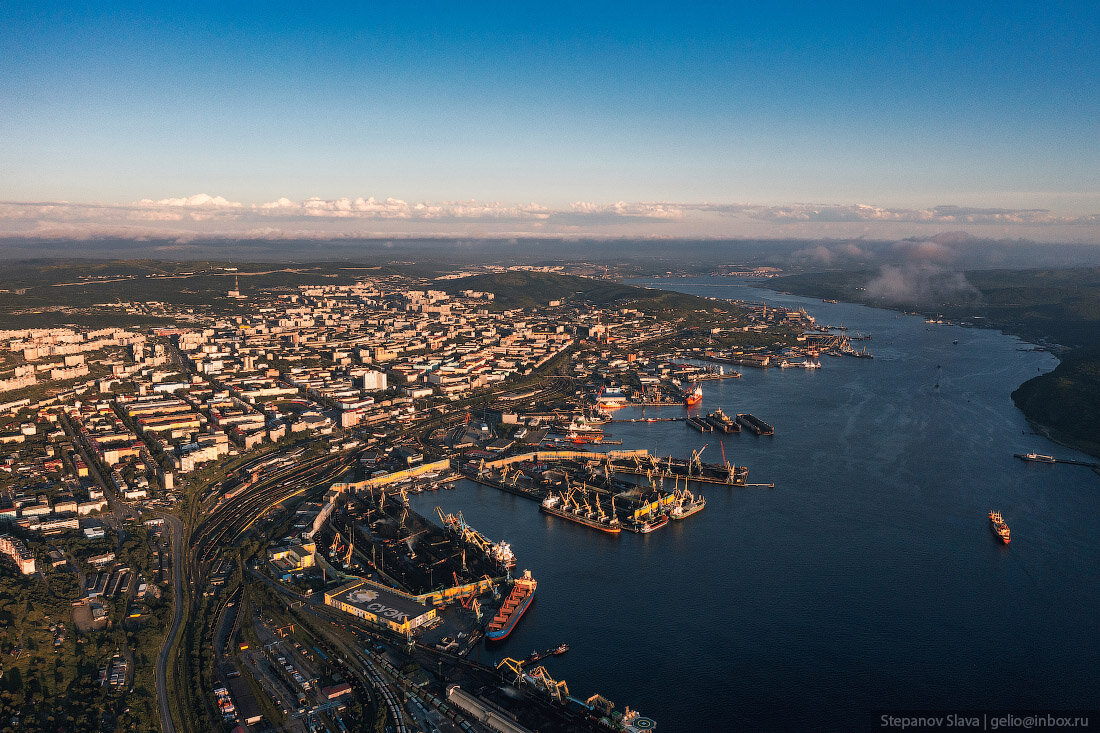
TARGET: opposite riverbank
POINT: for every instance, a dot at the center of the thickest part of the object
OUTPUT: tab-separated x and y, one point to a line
1056	309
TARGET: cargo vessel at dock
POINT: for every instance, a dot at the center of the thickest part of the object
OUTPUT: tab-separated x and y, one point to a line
1000	528
564	506
693	398
686	504
755	424
513	608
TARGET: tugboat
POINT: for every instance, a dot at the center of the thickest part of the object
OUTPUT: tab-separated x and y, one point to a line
645	526
536	655
999	527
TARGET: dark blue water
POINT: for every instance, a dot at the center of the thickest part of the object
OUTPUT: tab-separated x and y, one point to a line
867	579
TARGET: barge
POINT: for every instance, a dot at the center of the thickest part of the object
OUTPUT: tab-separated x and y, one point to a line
755	424
700	424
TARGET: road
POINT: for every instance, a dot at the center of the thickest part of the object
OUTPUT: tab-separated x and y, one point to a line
176	533
124	510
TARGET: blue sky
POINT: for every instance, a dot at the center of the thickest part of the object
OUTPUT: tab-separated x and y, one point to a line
899	107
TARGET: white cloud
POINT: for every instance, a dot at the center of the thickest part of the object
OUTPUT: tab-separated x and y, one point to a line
281	203
212	216
199	199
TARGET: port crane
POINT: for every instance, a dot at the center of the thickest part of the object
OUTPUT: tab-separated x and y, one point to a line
696	460
600	513
587	507
538	678
456	524
512	665
409	542
724	461
556	689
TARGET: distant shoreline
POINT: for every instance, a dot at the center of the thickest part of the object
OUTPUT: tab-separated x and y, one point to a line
1063	404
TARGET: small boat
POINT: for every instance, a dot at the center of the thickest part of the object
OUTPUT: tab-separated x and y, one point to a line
537	655
645	526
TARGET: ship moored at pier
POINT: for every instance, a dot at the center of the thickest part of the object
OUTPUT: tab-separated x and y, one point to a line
565	506
513	608
686	504
722	422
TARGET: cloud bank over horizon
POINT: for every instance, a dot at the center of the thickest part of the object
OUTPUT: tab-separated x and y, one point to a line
206	216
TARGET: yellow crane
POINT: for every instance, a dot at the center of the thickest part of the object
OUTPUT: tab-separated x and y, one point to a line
587	507
513	665
695	460
600	513
542	679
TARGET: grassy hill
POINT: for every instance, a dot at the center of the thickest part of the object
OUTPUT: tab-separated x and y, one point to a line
1066	402
1059	306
